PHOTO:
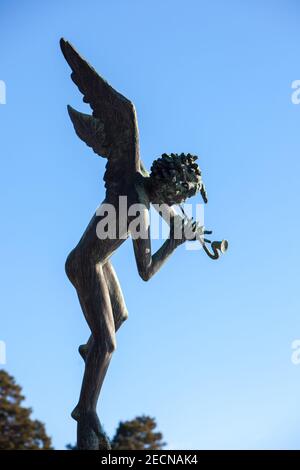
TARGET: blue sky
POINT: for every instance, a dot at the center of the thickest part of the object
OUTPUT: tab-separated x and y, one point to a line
207	347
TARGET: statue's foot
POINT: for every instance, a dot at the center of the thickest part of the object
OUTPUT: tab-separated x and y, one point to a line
83	351
89	428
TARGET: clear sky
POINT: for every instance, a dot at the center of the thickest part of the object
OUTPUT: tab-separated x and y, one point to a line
207	347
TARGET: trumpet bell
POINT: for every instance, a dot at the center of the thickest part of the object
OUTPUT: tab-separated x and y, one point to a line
222	246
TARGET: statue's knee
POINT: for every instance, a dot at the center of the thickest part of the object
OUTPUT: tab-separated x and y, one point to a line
104	347
78	268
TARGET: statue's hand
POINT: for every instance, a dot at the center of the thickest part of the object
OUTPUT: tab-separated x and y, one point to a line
182	230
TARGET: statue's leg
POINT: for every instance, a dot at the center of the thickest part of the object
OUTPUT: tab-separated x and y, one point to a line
120	314
95	300
119	308
95	287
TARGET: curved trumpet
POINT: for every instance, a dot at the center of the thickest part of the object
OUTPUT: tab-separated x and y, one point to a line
218	247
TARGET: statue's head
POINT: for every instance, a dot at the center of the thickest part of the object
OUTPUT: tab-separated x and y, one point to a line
174	178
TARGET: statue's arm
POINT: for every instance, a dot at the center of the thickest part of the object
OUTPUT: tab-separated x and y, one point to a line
168	213
147	263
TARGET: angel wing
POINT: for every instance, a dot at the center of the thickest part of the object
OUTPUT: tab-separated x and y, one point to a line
111	131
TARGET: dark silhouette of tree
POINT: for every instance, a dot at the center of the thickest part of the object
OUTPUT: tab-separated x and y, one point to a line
138	434
71	447
17	429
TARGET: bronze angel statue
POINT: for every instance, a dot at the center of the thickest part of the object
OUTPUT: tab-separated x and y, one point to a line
112	132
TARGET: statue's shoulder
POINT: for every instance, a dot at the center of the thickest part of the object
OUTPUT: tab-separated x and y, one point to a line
142	195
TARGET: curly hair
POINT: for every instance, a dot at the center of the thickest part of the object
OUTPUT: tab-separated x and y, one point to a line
176	177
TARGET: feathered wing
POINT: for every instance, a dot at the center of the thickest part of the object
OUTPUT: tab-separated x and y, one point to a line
111	131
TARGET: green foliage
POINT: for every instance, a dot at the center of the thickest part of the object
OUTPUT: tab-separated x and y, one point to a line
137	434
17	429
